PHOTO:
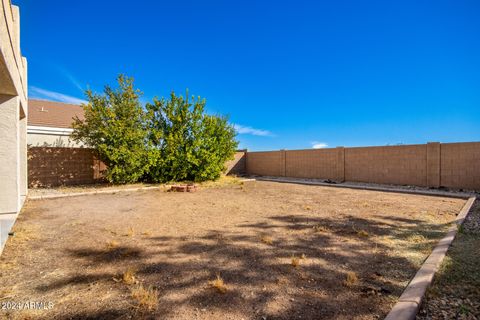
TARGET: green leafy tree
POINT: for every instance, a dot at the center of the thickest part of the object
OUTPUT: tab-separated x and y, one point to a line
187	143
217	145
114	126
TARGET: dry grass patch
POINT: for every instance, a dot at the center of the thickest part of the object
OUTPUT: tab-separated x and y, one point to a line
351	279
146	298
112	244
420	242
267	240
218	284
25	234
100	186
128	276
321	228
7	265
130	232
295	261
363	233
7	293
223	181
417	238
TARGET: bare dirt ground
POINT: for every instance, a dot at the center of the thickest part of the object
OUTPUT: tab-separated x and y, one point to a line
283	251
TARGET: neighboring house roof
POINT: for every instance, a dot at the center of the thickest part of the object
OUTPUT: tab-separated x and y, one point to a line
53	114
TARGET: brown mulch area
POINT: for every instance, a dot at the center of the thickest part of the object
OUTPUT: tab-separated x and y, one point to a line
455	292
281	251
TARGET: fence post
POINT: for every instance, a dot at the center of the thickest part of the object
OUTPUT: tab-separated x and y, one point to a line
340	164
284	162
245	169
433	164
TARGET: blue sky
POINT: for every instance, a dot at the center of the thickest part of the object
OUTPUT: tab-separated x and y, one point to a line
294	75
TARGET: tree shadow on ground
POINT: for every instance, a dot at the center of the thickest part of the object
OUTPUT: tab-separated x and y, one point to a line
260	278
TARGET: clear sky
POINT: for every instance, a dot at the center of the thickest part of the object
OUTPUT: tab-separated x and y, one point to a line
290	74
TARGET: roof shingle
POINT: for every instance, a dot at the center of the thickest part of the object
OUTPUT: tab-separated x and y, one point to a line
52	114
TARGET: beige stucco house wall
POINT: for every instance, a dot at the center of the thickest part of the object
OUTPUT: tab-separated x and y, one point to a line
13	119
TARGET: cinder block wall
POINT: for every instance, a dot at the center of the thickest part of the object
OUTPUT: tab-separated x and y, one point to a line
268	163
50	166
55	166
318	163
404	165
460	165
453	165
237	166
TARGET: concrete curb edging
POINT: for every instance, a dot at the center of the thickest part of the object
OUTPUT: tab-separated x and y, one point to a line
409	302
108	191
86	193
437	193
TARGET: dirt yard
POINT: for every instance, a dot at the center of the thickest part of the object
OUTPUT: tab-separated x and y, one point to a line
262	251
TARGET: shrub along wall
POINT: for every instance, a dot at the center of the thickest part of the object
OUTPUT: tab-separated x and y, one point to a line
453	165
51	166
